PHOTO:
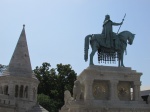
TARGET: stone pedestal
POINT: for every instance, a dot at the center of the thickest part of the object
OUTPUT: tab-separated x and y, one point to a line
108	89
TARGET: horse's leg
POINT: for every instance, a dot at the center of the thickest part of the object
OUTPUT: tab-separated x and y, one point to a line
118	62
118	59
122	53
94	49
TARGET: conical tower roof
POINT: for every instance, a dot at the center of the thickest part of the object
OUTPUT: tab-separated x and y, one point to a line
20	62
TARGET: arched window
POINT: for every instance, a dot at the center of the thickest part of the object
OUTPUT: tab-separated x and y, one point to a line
26	92
6	90
21	91
16	90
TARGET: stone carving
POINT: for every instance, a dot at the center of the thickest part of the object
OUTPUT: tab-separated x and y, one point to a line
100	90
108	89
124	92
77	90
67	97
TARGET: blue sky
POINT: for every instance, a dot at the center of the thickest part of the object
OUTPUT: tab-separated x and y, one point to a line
56	29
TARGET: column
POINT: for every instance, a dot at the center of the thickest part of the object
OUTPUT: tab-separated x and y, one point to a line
88	93
136	91
11	89
18	91
113	90
36	93
30	92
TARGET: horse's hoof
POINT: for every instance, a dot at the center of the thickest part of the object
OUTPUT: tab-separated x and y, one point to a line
122	66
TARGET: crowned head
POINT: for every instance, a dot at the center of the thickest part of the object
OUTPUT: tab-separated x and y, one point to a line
107	17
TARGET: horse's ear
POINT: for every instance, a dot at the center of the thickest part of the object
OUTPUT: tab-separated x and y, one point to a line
134	34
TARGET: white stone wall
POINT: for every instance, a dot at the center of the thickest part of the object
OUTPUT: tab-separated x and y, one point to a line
112	83
21	92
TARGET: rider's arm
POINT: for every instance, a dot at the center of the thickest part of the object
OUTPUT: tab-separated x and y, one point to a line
116	24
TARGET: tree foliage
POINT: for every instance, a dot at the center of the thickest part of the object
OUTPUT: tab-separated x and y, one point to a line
45	101
53	83
3	68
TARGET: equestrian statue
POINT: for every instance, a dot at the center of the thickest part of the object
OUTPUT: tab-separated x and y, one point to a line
109	45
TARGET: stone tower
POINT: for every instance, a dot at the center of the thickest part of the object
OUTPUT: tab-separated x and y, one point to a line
18	84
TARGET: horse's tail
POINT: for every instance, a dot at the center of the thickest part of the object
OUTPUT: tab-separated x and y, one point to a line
86	47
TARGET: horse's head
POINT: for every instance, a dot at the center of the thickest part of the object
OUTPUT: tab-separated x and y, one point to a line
126	35
130	38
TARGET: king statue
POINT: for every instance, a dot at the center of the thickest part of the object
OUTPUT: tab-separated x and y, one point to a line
108	31
109	46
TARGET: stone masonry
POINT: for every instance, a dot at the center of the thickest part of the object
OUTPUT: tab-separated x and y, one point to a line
108	89
18	84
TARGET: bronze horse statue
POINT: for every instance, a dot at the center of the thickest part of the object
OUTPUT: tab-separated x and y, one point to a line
98	43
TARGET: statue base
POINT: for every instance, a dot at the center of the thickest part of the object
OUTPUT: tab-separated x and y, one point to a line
108	89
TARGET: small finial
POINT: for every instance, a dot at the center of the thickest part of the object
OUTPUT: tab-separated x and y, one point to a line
23	25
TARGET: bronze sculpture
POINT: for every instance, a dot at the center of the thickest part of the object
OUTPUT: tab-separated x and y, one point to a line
108	53
108	30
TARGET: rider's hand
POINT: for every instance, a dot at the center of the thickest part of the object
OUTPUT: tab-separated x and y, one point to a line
121	23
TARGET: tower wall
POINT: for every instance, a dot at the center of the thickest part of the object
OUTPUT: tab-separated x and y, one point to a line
21	92
18	84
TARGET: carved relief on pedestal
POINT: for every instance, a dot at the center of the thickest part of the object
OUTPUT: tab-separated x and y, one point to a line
101	89
124	90
77	90
67	97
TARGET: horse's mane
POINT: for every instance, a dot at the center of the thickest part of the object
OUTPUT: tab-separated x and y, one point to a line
124	35
124	32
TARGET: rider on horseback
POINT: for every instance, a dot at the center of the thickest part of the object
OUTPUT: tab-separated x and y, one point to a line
108	32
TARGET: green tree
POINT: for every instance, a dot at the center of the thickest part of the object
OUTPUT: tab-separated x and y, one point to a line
54	81
66	77
3	67
47	78
46	102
